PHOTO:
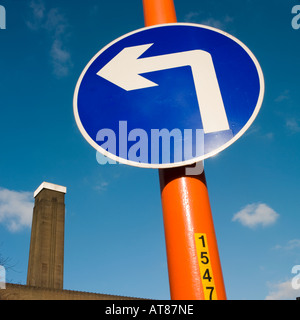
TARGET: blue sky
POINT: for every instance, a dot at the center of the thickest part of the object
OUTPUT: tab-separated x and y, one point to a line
114	237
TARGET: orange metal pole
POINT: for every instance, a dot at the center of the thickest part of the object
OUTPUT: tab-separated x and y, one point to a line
193	259
159	11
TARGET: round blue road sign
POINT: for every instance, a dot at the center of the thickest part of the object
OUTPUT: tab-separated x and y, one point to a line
168	95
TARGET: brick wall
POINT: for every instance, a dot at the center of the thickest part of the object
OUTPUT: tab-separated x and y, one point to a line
22	292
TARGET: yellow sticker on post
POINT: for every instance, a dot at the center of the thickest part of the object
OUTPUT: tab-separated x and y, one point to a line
206	272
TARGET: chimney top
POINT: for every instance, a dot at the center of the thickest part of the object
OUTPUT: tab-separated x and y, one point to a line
49	186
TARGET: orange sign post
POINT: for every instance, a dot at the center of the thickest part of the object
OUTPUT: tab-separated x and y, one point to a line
193	259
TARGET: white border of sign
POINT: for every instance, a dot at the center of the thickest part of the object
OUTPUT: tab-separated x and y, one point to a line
177	164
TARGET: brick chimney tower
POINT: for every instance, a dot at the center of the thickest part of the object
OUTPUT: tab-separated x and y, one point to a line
46	256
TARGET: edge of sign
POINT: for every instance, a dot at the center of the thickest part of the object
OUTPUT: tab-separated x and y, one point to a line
176	164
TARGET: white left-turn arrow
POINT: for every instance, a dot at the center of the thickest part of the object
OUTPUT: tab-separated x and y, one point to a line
125	68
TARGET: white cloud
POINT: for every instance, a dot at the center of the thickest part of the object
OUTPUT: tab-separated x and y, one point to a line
256	214
285	95
219	24
16	209
192	16
293	125
197	17
260	133
102	186
269	136
291	245
54	23
61	59
38	13
282	291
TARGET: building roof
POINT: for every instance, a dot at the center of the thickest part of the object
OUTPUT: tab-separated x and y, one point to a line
49	186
